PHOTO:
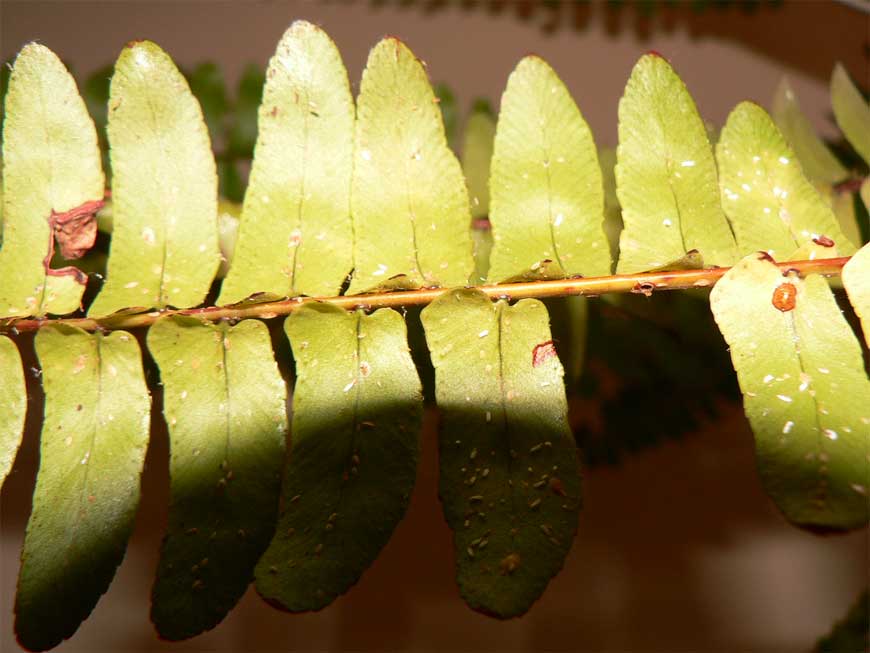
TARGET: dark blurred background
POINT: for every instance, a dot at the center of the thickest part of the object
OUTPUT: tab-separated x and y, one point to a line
678	549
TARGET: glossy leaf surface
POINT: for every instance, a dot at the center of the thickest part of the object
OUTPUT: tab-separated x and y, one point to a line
296	236
546	190
52	186
164	249
770	203
408	198
665	175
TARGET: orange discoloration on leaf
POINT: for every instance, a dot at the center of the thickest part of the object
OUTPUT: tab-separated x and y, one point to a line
784	297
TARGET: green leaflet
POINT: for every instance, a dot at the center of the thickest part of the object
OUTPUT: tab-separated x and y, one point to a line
408	198
356	427
92	450
771	205
546	190
476	157
612	210
52	182
224	401
13	405
665	175
843	204
817	161
164	249
806	393
296	236
851	111
856	279
510	479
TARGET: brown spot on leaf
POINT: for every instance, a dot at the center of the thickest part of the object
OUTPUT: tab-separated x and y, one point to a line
542	352
509	564
784	297
824	241
556	486
76	230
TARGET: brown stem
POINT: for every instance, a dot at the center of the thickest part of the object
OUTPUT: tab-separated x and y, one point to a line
643	283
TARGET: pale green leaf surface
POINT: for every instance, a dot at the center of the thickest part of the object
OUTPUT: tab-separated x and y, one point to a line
481	237
510	477
665	175
771	205
51	164
228	233
817	161
476	158
851	111
856	279
357	408
612	210
296	236
13	405
164	249
92	449
225	403
843	206
546	193
806	393
408	199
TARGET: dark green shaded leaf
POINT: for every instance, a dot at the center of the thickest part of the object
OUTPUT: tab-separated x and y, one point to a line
449	111
665	175
243	129
92	450
296	236
224	401
356	430
510	478
51	172
13	404
547	198
408	197
164	248
806	393
207	85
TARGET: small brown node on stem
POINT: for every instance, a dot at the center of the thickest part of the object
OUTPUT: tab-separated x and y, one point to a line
644	288
784	297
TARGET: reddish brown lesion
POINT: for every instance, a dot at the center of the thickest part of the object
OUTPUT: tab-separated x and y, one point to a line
784	297
823	240
542	352
75	232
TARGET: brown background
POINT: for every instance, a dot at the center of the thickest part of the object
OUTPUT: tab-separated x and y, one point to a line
679	549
